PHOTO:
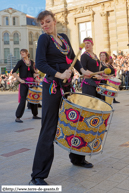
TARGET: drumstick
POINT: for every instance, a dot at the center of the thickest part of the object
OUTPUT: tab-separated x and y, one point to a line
75	59
106	71
26	82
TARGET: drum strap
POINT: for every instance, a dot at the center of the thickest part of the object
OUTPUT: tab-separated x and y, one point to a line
90	82
54	85
56	82
31	79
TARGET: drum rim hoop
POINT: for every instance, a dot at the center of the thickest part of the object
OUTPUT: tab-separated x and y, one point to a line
84	108
31	89
119	81
108	89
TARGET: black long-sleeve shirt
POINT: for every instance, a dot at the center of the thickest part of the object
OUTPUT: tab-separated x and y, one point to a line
109	66
89	64
23	69
112	71
48	56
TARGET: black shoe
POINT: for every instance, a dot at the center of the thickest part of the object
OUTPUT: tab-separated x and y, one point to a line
114	101
39	105
38	181
85	164
18	120
36	117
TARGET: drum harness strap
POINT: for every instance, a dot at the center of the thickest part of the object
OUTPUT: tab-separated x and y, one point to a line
55	82
90	82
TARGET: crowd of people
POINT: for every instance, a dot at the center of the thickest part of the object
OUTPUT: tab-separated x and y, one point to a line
8	82
121	64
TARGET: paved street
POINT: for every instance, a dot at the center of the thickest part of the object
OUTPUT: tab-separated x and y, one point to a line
110	173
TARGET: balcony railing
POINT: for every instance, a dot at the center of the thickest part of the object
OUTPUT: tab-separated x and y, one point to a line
7	61
3	61
16	42
6	42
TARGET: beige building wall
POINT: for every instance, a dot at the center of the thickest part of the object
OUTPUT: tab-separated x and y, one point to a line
109	20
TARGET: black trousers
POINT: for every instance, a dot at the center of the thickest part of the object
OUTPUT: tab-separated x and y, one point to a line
45	148
21	107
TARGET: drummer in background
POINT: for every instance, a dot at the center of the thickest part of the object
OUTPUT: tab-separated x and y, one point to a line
53	57
37	72
26	73
104	61
111	64
91	64
38	77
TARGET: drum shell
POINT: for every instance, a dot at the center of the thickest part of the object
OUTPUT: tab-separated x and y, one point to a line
86	135
115	83
109	92
34	95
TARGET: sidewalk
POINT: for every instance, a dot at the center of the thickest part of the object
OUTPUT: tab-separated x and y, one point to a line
110	173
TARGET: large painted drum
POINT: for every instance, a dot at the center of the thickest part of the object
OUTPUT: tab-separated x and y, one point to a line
82	124
114	82
34	95
109	92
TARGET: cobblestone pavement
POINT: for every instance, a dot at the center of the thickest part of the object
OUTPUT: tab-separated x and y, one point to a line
18	141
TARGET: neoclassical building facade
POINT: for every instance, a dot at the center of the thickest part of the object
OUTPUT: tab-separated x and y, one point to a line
17	30
106	21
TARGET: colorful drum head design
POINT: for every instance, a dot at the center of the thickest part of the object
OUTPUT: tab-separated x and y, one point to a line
95	144
73	115
75	141
81	129
94	121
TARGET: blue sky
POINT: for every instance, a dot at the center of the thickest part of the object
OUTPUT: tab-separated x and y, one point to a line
31	7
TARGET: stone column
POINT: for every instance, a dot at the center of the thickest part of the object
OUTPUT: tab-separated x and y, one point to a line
93	28
51	3
106	40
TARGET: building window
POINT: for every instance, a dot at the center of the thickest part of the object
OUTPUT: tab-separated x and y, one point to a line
30	39
3	70
15	21
6	38
6	20
6	54
17	53
37	36
16	38
31	53
85	30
